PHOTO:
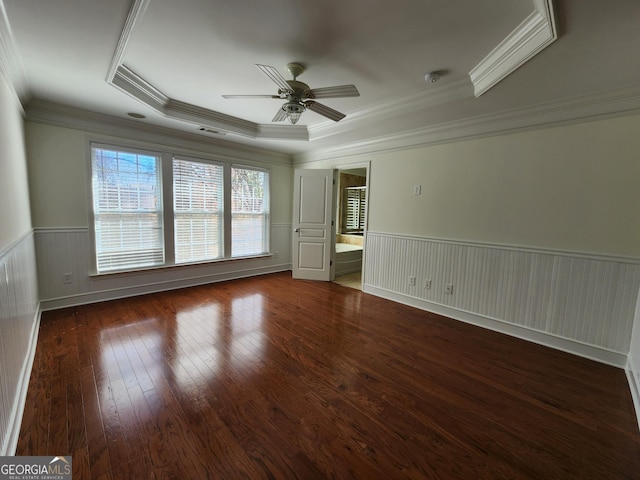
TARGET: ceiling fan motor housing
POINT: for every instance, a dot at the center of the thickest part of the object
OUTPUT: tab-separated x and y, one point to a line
300	89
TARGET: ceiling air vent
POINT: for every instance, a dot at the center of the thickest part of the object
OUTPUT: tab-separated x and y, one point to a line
210	130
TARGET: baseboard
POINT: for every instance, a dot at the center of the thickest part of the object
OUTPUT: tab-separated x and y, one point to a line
20	400
591	352
156	287
635	391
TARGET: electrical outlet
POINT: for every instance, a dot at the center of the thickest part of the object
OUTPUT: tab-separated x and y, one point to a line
448	288
427	284
276	254
412	281
67	278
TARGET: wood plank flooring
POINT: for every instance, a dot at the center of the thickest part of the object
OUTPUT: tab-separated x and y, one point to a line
274	378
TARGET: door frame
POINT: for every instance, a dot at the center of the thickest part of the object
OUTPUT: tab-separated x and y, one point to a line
343	167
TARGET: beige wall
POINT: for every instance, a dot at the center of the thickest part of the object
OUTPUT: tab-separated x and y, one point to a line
57	176
59	170
569	188
15	218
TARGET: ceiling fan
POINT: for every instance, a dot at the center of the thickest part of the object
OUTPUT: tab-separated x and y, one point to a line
299	96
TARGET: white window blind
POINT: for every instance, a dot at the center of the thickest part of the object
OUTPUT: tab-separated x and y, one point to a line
127	209
198	203
249	211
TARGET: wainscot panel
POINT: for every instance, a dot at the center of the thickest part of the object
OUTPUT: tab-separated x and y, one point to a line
19	322
579	303
633	363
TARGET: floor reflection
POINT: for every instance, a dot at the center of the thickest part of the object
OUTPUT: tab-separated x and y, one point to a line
181	352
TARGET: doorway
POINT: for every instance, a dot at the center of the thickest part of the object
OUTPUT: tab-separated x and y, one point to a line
351	224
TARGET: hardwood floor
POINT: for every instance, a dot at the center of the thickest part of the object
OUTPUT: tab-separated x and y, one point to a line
269	377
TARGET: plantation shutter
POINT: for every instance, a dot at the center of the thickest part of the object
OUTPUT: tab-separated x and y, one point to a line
355	208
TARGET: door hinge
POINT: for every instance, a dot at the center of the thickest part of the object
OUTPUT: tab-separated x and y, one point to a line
332	223
330	262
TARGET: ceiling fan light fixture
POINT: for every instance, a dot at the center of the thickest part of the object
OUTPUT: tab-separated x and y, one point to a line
293	110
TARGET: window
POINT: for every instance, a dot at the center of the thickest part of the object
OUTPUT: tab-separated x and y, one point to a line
354	200
127	209
249	211
198	210
213	210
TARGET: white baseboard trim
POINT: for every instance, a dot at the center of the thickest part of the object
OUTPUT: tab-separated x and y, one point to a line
635	390
591	352
20	399
155	287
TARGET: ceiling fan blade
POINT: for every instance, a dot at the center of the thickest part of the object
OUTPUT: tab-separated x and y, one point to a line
333	92
275	77
325	111
251	96
280	116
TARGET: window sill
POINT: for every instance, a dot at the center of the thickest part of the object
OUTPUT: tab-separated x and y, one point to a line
173	266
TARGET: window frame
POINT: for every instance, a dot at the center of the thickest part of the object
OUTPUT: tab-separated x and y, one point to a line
267	215
92	199
166	156
185	158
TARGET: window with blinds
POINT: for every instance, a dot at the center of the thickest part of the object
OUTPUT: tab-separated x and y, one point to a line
220	211
127	209
249	211
198	210
354	210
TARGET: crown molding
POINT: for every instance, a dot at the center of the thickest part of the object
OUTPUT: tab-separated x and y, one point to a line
136	12
127	81
421	100
96	123
596	106
524	42
528	39
11	66
137	87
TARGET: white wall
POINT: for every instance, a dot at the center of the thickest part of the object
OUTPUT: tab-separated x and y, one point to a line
513	220
58	175
18	293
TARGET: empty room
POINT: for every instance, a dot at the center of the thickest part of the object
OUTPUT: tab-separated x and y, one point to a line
322	239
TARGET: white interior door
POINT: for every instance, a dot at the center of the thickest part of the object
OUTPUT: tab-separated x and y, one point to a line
313	225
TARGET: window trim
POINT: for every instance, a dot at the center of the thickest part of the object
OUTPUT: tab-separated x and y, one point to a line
170	214
267	233
166	155
91	200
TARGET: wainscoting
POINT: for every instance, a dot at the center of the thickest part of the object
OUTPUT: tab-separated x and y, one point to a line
19	322
633	362
583	304
67	250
